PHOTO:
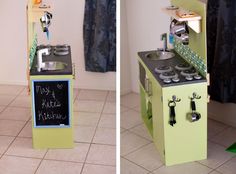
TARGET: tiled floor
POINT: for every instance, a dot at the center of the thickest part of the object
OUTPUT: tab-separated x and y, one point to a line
94	113
139	156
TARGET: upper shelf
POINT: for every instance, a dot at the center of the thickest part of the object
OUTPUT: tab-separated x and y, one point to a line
193	22
36	12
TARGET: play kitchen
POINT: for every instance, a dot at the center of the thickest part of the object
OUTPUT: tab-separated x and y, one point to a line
51	76
173	86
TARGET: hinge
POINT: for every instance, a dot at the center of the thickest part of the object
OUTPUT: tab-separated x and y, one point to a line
162	98
164	152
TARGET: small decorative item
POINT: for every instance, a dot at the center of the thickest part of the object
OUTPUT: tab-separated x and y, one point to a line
37	1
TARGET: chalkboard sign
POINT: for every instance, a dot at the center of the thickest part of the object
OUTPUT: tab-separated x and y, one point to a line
51	103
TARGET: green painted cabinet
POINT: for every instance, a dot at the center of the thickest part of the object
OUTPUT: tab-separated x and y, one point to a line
186	141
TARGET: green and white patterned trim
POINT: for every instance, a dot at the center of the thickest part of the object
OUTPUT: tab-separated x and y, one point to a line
191	57
33	50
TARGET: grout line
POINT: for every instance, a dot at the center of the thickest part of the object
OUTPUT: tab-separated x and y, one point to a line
137	165
224	163
136	149
13	140
205	165
158	167
101	164
94	134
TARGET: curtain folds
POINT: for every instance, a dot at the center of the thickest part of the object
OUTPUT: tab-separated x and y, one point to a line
100	35
221	48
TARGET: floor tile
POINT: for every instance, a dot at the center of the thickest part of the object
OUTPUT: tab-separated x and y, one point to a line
214	127
77	154
147	157
23	147
59	167
11	127
14	113
229	167
22	101
102	154
11	89
107	121
88	106
2	108
137	108
131	142
225	138
86	94
27	130
24	92
130	100
123	109
111	97
122	130
130	118
105	136
130	168
216	156
4	143
142	131
109	108
6	99
86	118
215	172
84	133
193	168
98	169
18	165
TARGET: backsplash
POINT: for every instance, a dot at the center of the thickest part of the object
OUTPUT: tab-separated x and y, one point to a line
190	56
33	50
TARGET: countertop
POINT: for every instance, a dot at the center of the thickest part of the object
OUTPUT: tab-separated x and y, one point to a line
66	59
152	64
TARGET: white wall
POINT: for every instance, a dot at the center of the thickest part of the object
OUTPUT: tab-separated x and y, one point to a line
67	27
146	22
125	69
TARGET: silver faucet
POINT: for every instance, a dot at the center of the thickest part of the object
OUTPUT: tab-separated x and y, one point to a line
40	54
164	38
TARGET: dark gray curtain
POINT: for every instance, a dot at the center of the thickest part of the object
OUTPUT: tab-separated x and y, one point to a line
221	43
100	35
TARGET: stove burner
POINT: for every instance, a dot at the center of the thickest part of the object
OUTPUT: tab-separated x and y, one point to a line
167	80
189	72
183	66
176	79
197	77
189	78
61	52
168	75
62	47
163	68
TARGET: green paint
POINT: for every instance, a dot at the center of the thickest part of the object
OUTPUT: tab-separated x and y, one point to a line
186	141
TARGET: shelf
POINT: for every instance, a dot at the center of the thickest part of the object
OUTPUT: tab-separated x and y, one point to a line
193	22
35	13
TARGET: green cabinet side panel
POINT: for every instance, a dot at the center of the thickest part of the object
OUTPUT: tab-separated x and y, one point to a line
186	141
158	120
197	41
53	137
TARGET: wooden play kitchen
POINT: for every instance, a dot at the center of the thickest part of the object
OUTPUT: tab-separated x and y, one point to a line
50	75
173	86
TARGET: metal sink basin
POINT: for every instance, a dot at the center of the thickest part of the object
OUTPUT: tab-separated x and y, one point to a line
53	66
160	55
